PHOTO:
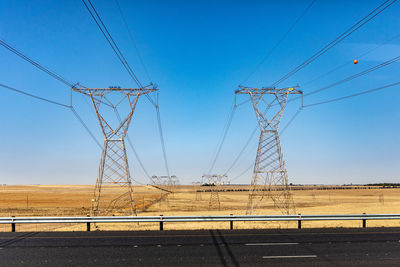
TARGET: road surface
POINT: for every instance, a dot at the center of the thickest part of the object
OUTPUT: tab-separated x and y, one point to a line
305	247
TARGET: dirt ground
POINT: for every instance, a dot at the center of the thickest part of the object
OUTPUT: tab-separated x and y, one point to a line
75	200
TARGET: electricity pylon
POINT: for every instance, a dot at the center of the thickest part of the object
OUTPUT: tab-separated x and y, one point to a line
270	179
167	185
113	191
214	181
197	191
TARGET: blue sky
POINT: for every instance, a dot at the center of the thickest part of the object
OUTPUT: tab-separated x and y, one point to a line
198	52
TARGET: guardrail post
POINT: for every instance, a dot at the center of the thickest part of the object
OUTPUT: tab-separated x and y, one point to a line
12	224
364	222
231	223
88	225
299	222
161	223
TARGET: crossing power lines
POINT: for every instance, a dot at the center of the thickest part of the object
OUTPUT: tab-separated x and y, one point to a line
338	39
111	41
379	9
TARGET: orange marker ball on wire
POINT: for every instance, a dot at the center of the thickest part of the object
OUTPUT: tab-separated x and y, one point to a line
355	61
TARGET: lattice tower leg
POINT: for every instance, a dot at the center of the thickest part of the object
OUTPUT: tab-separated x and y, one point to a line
214	200
270	181
113	191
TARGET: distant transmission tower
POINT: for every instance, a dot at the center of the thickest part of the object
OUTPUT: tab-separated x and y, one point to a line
196	186
214	181
270	180
113	190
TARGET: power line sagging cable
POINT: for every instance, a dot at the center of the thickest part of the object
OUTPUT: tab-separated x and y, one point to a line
34	96
160	130
374	68
353	95
133	149
58	104
85	126
351	61
242	150
291	120
103	28
100	24
222	139
279	42
34	63
338	39
381	65
131	36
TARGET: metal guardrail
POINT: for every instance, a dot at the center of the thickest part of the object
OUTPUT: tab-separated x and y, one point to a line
219	218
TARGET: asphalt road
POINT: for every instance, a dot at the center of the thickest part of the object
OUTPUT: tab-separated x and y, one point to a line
305	247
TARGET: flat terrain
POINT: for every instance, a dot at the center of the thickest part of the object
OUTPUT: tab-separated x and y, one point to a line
75	200
305	247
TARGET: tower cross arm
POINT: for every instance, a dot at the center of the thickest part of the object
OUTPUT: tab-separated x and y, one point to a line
126	91
268	90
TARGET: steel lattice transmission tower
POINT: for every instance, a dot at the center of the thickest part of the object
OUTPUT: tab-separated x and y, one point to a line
270	179
214	181
113	191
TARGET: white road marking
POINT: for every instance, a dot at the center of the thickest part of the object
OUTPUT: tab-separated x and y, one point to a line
270	244
293	256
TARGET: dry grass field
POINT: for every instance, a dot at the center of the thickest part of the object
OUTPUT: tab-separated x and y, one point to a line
75	200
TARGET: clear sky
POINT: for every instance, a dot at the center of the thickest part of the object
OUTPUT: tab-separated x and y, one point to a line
198	52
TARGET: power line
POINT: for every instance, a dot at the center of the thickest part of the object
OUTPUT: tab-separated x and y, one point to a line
130	33
39	66
162	140
320	103
99	22
338	39
291	120
34	63
242	150
353	95
279	42
222	139
34	96
351	61
85	126
247	169
55	103
381	65
134	150
97	19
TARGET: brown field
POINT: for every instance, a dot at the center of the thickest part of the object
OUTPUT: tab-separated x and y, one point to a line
75	200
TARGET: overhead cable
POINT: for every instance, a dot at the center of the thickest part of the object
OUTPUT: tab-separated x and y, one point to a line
279	42
55	103
381	65
374	68
34	96
132	147
34	63
222	139
338	39
160	130
353	95
85	126
99	22
351	61
130	33
242	150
